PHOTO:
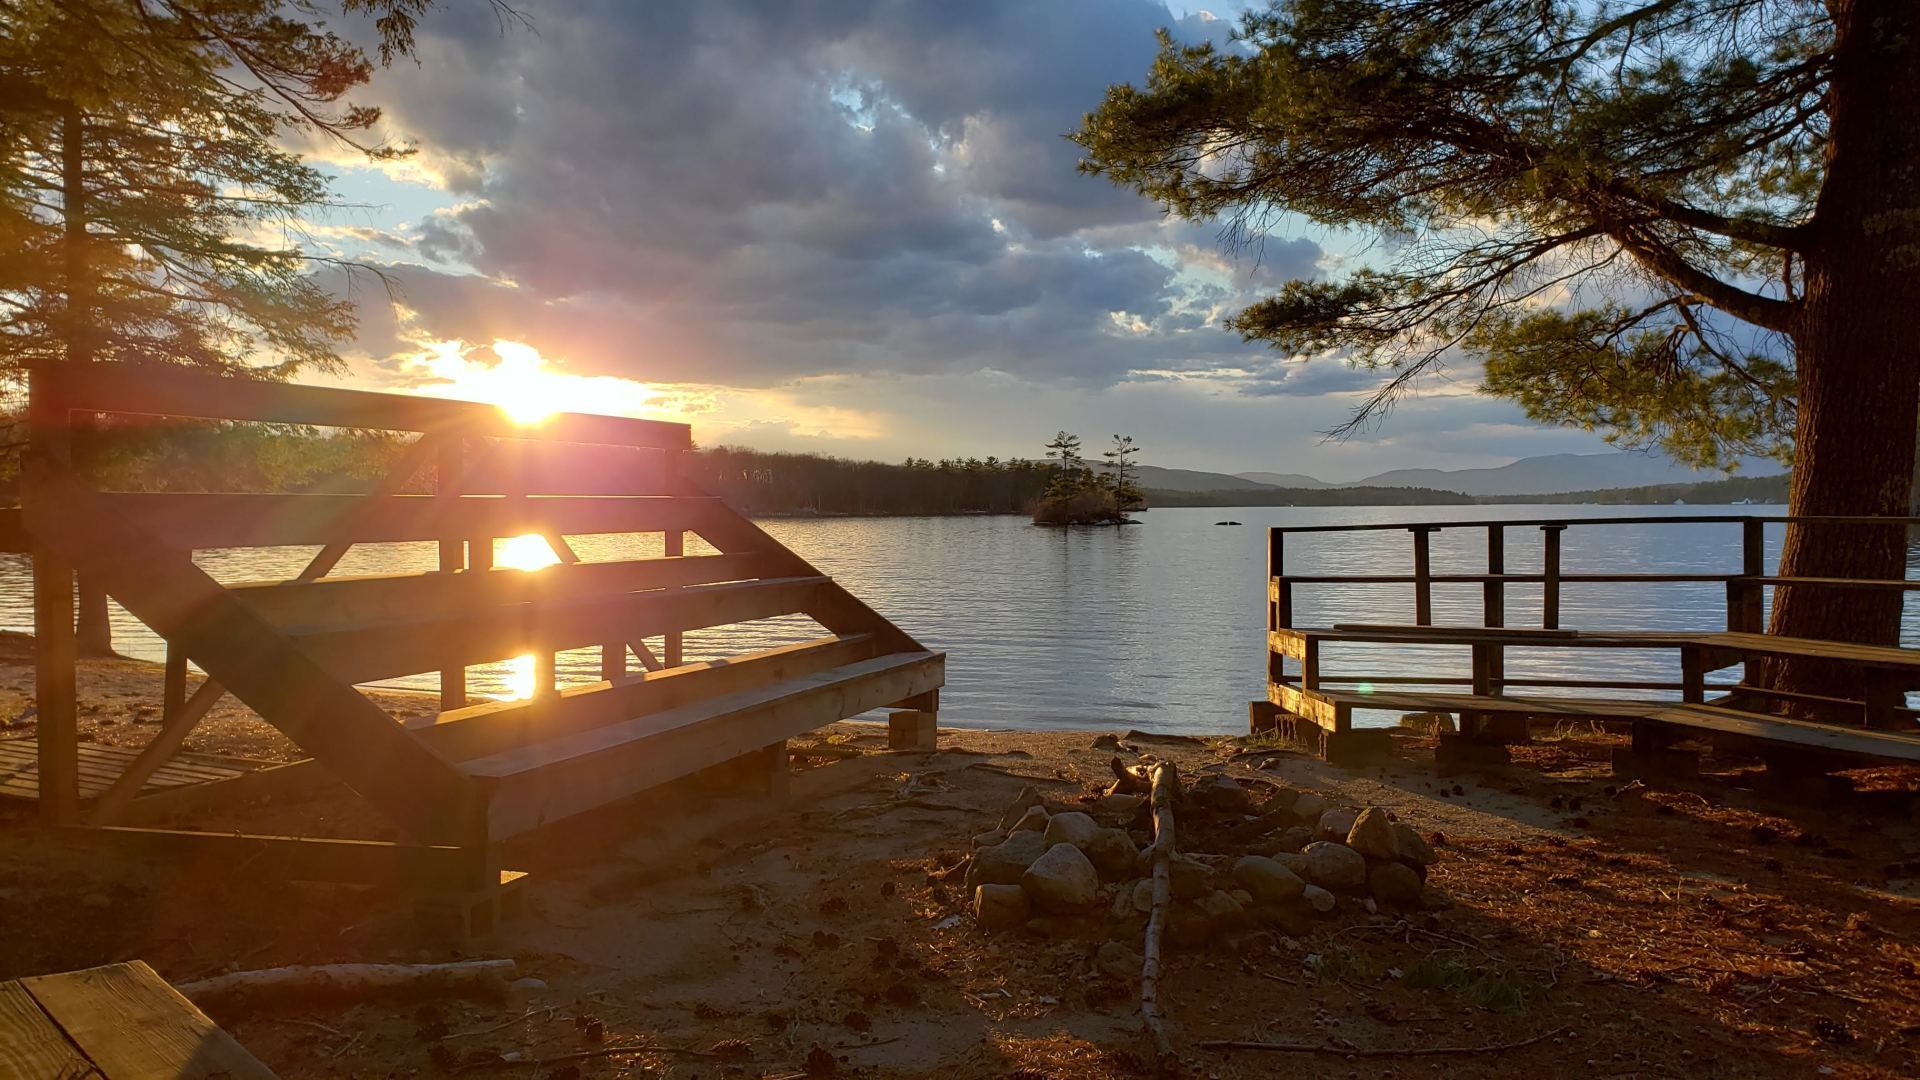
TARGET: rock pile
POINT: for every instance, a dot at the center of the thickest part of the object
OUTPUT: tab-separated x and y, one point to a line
1058	870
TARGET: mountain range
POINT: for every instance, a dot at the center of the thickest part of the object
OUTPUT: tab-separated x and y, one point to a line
1527	476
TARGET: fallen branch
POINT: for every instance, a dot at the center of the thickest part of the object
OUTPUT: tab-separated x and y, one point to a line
988	766
1165	788
1359	1051
1131	779
467	978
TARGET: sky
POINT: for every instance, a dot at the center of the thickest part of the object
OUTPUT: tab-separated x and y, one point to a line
845	226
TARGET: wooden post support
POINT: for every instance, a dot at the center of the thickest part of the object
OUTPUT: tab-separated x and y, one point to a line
1753	566
54	652
1550	569
453	557
912	729
1493	605
1422	576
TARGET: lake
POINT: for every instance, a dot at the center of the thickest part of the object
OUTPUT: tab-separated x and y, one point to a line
1155	626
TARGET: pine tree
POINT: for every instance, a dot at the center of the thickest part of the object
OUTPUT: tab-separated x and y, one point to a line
1072	476
1678	221
1126	493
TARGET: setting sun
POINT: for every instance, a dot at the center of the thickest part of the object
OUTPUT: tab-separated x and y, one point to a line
526	552
518	678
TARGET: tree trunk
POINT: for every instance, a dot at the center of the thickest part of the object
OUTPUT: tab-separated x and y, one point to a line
95	632
1857	344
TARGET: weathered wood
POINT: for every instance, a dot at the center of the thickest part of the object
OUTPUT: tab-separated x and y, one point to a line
315	983
1550	583
489	728
1863	743
300	858
543	783
1165	790
295	779
257	520
151	391
1422	575
32	1046
174	729
55	652
358	653
448	478
133	1026
266	670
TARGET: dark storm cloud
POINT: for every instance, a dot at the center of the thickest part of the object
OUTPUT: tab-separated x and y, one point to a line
748	192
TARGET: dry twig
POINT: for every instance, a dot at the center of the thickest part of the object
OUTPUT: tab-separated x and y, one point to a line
1372	1051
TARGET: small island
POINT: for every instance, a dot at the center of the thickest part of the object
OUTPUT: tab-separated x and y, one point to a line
1079	494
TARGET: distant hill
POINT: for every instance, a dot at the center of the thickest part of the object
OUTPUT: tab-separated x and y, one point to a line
1155	478
1296	481
1534	475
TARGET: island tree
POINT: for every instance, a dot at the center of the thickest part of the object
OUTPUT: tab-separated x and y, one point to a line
151	208
1686	222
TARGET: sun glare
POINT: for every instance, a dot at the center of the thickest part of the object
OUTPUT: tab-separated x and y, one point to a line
528	388
519	677
527	552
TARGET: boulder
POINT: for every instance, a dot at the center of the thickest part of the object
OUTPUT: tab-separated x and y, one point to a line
1308	807
1290	840
1188	927
1111	852
1119	805
1428	723
1003	863
1318	899
1001	907
1289	919
1268	881
1143	896
988	839
1410	846
1372	834
1028	798
1223	911
1293	861
1222	793
1118	959
1191	878
1061	881
1073	828
1394	884
1335	866
1034	820
1335	824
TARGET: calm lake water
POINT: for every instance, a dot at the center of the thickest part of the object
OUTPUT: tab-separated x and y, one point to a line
1156	626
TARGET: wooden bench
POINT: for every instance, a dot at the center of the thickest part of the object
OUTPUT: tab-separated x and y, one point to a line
118	1022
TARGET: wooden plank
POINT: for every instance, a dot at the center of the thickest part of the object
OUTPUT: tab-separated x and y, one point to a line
1324	701
380	650
296	779
148	391
55	650
300	858
1876	656
551	781
32	1046
162	746
447	478
486	729
1826	738
136	1027
328	719
393	596
256	520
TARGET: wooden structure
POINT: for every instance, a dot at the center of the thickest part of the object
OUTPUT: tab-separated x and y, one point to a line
454	783
1309	699
118	1022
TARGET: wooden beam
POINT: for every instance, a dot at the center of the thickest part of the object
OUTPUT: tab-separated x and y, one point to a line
55	696
539	784
163	588
302	858
294	780
33	1046
148	391
447	479
174	729
130	1023
359	653
485	729
253	520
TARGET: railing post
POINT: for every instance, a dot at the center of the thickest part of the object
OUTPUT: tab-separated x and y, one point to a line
675	545
446	485
1280	607
1422	576
49	448
1550	588
1493	603
1753	566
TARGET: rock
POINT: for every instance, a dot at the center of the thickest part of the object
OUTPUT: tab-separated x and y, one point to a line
1003	863
1372	834
1308	806
1061	881
1243	896
1290	840
1223	911
1073	828
1034	820
1318	899
1188	927
1267	880
1120	806
1111	852
1289	919
97	900
1433	899
1335	866
1108	741
1335	825
1143	896
1001	907
1191	878
1428	723
1410	846
1394	884
988	839
1117	959
1220	793
1293	861
1028	798
527	985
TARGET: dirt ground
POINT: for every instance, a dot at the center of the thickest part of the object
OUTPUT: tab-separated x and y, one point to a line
1673	929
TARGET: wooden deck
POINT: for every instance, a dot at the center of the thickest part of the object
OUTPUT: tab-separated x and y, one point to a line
118	1022
100	766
